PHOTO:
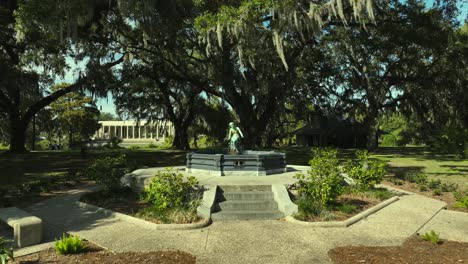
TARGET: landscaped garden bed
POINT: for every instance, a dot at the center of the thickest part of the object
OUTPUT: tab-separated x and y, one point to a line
90	253
415	250
331	192
169	198
418	182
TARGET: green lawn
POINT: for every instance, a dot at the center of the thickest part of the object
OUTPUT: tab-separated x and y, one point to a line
17	169
33	166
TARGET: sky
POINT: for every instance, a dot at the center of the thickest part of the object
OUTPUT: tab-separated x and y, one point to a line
107	104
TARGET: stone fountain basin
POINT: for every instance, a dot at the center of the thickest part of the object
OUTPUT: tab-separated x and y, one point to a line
249	163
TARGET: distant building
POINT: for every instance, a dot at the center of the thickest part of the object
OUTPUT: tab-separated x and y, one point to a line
331	132
135	131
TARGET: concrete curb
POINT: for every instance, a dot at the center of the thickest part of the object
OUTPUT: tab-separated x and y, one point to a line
281	196
32	249
143	223
208	202
348	221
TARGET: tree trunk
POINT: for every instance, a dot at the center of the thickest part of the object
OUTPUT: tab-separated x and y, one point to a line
181	140
17	136
372	129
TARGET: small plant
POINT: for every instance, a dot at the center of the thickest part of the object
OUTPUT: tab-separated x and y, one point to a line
364	171
69	245
323	182
347	208
134	147
432	237
380	193
107	171
436	192
423	188
5	253
419	178
462	200
151	145
434	184
448	187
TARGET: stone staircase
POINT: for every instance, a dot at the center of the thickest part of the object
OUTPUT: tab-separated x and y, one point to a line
245	202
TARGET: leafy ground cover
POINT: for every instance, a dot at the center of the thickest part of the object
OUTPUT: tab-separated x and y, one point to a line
415	250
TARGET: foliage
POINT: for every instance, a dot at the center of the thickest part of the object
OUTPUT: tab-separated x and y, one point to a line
452	140
69	245
113	142
347	208
168	141
5	253
108	171
105	116
462	200
134	147
178	215
169	190
43	145
379	193
323	181
432	237
76	115
364	171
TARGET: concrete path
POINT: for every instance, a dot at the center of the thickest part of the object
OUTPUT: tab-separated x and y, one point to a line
253	241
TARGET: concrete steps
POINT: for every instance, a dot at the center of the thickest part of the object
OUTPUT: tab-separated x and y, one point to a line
245	202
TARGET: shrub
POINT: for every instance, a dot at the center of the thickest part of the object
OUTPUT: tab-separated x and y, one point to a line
323	182
434	184
419	178
69	245
134	147
448	187
462	200
5	253
168	142
151	145
168	190
431	236
423	188
113	142
107	171
437	192
307	206
364	171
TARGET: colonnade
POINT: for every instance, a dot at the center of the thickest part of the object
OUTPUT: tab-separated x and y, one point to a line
132	130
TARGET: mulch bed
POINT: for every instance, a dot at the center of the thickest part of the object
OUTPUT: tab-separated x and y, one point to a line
95	254
413	251
361	202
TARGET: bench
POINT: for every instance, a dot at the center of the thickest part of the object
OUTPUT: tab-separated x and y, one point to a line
27	229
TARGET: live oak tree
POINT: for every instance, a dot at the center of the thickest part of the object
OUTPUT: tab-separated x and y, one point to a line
35	39
377	67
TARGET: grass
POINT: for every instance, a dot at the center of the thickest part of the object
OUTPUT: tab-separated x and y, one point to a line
407	160
41	165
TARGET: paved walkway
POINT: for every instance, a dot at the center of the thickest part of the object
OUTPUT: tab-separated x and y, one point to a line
253	241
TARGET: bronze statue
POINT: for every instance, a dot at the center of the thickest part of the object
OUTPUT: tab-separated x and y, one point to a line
234	136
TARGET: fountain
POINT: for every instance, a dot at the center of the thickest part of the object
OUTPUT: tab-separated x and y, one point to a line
236	162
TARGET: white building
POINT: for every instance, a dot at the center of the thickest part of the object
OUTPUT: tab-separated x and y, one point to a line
135	131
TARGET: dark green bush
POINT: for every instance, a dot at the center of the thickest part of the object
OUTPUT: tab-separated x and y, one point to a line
323	181
169	190
113	142
347	208
364	171
107	171
434	184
